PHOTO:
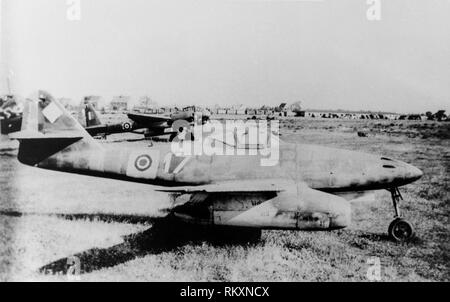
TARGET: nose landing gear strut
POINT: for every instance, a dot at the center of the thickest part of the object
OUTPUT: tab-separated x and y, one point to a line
399	229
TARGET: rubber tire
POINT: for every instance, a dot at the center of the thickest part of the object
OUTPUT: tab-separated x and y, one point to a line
400	230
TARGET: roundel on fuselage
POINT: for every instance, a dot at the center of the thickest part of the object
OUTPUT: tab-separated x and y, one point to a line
126	126
143	162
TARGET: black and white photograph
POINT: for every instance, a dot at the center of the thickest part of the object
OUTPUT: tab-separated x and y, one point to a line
218	141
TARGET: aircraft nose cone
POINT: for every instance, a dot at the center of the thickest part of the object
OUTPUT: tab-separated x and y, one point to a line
341	221
413	173
342	218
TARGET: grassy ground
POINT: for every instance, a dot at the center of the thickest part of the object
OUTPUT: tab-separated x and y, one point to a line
38	228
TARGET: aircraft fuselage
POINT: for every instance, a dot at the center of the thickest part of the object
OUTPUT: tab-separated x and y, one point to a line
322	168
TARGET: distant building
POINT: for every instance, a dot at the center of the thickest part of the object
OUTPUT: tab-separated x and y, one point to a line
238	109
94	100
67	103
342	114
146	105
147	102
119	103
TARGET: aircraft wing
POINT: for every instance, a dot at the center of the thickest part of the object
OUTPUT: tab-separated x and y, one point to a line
148	119
200	193
233	186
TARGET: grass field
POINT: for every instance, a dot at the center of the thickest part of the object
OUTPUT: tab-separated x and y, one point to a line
46	217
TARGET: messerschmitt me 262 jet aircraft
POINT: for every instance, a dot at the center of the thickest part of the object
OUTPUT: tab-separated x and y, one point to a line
303	190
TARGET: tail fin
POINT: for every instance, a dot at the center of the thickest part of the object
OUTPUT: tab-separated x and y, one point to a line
47	128
88	116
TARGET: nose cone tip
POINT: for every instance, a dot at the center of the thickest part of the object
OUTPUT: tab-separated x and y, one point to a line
419	173
414	173
342	219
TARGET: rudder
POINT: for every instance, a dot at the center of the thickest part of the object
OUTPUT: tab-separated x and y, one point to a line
88	116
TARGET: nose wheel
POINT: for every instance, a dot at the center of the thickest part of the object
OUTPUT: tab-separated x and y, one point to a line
399	229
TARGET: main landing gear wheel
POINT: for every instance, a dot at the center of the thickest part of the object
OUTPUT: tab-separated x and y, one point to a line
399	229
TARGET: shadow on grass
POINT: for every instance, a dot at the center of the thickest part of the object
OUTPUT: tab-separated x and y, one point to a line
165	235
363	240
89	217
375	237
135	245
133	219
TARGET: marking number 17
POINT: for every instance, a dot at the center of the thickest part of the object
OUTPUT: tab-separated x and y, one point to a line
169	162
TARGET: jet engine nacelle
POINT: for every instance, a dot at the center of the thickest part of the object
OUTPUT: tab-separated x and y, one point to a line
305	209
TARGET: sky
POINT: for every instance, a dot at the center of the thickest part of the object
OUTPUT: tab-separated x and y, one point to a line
327	54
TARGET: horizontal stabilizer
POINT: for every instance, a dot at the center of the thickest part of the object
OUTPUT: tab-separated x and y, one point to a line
29	134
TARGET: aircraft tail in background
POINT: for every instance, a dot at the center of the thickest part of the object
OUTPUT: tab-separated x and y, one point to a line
88	116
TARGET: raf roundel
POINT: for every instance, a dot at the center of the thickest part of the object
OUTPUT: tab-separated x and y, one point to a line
143	162
126	126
